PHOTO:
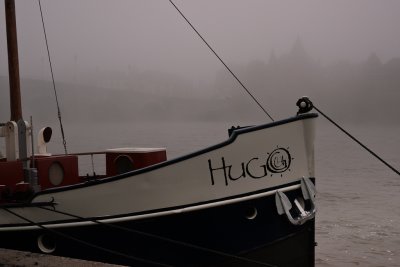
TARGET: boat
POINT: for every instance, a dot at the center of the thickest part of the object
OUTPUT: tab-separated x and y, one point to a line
247	201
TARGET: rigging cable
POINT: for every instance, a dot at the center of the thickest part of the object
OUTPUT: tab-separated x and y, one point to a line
223	63
87	243
357	141
212	251
305	105
54	84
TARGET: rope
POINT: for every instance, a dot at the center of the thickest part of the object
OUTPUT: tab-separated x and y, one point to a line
212	251
223	63
87	243
357	141
54	84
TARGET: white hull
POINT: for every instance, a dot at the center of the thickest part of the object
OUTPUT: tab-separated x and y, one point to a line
254	160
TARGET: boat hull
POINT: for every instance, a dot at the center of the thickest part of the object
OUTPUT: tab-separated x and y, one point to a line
214	207
226	235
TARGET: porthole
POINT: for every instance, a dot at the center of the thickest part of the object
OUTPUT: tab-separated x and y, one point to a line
123	164
46	244
251	213
56	173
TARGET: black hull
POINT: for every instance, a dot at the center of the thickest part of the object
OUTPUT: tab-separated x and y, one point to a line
218	236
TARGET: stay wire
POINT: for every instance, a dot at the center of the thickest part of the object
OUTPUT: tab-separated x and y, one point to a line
357	141
87	243
212	251
223	63
54	84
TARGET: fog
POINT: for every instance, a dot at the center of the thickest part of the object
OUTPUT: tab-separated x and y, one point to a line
126	58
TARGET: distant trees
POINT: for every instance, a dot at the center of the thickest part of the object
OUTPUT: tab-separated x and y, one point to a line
367	91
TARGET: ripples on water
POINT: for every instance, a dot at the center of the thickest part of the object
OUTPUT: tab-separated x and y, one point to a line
358	220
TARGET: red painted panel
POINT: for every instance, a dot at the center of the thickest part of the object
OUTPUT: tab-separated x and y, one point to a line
11	172
68	164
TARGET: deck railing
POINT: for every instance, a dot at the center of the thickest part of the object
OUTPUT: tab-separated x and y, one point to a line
91	163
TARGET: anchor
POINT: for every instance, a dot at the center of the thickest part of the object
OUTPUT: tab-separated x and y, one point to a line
283	204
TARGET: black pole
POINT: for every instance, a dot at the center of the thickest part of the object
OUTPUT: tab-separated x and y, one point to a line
13	65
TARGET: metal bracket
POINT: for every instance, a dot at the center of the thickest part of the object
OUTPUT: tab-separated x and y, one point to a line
283	204
304	104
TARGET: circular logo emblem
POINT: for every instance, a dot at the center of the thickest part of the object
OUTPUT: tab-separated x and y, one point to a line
279	160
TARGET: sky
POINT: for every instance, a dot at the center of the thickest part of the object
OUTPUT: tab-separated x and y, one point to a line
138	35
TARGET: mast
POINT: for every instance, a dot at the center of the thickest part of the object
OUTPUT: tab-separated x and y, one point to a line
13	65
20	151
